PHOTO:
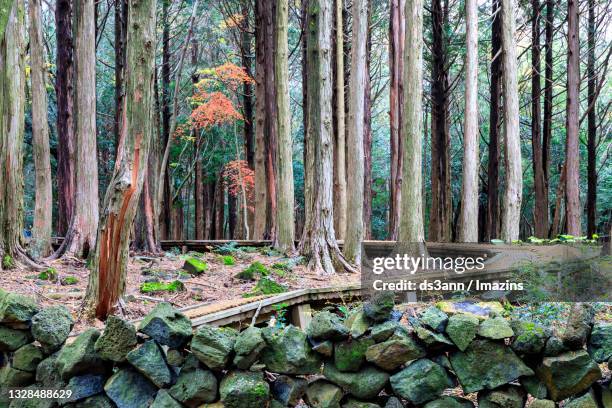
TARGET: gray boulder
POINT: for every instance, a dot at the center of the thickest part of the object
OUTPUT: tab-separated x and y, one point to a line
508	396
195	387
449	402
288	390
600	344
12	339
434	318
462	329
568	374
578	325
327	326
149	360
79	357
51	327
351	354
422	381
395	351
529	337
128	389
287	352
379	307
496	328
322	394
164	400
166	325
118	338
84	386
213	345
244	389
27	358
364	384
248	347
587	400
17	310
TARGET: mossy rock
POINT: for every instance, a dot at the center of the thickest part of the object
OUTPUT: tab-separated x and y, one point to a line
80	357
256	269
266	286
69	280
28	357
195	266
8	262
12	339
167	326
156	287
51	327
17	310
50	274
288	351
244	389
422	381
213	345
195	387
228	260
117	340
350	355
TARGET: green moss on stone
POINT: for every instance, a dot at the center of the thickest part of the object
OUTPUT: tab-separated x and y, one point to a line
153	287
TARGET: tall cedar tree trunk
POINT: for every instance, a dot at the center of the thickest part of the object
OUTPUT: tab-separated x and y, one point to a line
284	236
64	91
121	11
548	93
271	129
396	108
166	206
356	128
411	228
261	194
468	225
318	242
81	235
572	151
591	128
340	191
441	205
493	210
41	232
12	101
198	170
247	87
109	266
304	28
540	213
514	176
367	135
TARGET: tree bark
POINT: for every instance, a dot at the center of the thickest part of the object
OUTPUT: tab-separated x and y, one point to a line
64	90
340	192
572	151
284	235
514	176
166	202
259	229
591	127
548	92
318	242
396	107
41	231
109	266
440	218
468	224
367	135
271	132
356	128
411	230
247	87
12	102
121	15
540	214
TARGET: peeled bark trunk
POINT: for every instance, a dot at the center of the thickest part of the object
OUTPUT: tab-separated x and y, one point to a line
41	231
12	102
318	242
109	265
540	214
64	90
468	224
572	151
81	235
493	211
340	191
284	164
591	128
259	229
514	176
355	229
440	218
396	108
411	228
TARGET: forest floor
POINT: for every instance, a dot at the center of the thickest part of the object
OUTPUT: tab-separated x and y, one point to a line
217	283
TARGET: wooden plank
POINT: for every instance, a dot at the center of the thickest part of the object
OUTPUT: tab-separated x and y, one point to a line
301	315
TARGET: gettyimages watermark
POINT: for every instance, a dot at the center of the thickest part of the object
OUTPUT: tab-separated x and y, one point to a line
484	273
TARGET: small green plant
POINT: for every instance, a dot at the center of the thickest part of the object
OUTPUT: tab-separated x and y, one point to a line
269	251
228	260
266	286
255	269
8	262
69	280
49	274
280	314
227	249
195	266
154	287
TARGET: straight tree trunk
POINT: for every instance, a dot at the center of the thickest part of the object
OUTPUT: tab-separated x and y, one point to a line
340	191
514	176
540	214
493	210
440	218
109	265
219	214
396	107
591	127
247	87
12	102
64	91
572	151
259	229
81	236
121	15
166	206
198	195
559	200
304	29
284	235
468	224
318	242
41	232
367	135
269	9
548	91
411	230
356	128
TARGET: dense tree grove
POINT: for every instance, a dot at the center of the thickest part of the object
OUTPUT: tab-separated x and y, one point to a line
303	122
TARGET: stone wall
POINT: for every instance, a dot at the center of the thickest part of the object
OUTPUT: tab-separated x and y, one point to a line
376	357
